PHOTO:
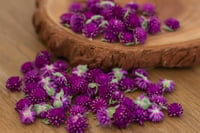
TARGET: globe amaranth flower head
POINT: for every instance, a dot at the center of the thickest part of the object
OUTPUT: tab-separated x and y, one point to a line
77	109
105	115
127	85
139	73
76	8
61	65
80	70
42	58
82	100
155	114
171	24
143	101
26	67
105	91
102	78
91	30
109	36
154	25
115	25
139	115
41	109
47	70
77	22
131	21
14	83
98	103
49	86
22	104
27	115
175	109
117	12
148	9
167	85
61	100
117	96
107	4
29	87
31	77
140	35
56	116
38	95
92	74
126	38
153	89
66	18
128	103
77	124
122	117
142	82
132	6
159	100
118	74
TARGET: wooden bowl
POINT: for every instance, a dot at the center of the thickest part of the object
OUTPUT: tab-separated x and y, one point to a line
166	49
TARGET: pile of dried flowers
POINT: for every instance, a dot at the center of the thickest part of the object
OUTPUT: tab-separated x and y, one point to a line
58	95
128	25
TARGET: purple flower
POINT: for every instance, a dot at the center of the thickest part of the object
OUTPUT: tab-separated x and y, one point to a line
116	26
77	22
92	89
42	58
31	77
27	115
140	35
132	6
47	70
142	83
42	109
61	100
127	85
139	73
159	100
14	83
49	86
59	79
175	109
97	104
92	2
61	65
80	70
38	95
56	116
117	95
96	19
77	109
76	8
167	85
78	85
118	74
94	6
155	114
153	25
102	78
77	124
109	37
139	115
26	67
22	104
117	12
92	74
91	30
122	117
82	100
153	89
66	18
107	13
107	4
104	116
88	15
143	101
131	21
126	38
105	91
29	87
171	24
127	102
148	9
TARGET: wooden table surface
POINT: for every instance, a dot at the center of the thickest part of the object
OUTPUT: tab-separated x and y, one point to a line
19	43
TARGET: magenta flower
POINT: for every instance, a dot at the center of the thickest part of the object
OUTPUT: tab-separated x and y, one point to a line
118	74
77	22
159	100
148	9
104	116
82	100
117	12
128	103
131	21
171	24
117	95
167	85
97	104
77	109
153	25
27	115
66	18
38	95
109	37
126	38
175	109
116	26
105	91
140	35
127	85
155	114
92	74
76	8
14	83
80	70
91	30
43	58
22	104
61	65
142	83
102	78
139	115
132	6
153	89
139	73
56	116
77	124
143	101
29	87
42	109
26	67
31	77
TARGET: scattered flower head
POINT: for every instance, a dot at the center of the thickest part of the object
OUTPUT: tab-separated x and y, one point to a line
155	114
175	109
14	83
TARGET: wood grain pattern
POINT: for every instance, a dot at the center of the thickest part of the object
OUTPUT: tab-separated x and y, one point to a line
19	43
177	49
